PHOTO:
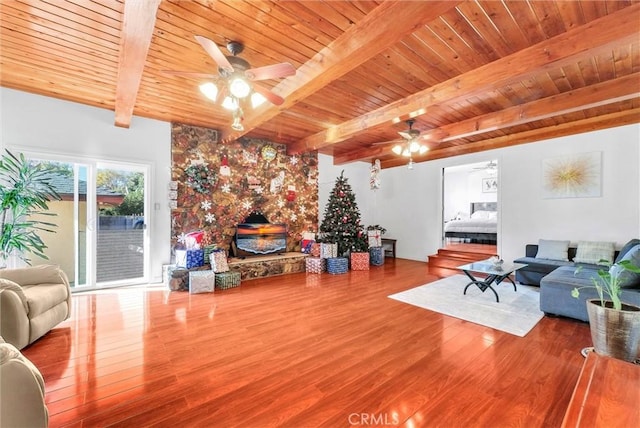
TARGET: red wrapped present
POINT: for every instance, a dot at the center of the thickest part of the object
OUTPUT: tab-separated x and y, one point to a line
360	261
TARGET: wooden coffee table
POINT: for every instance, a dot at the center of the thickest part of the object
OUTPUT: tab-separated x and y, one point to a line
494	274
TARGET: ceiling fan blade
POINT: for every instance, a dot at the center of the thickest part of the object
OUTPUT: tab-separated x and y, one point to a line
195	75
383	143
214	52
270	96
274	71
409	135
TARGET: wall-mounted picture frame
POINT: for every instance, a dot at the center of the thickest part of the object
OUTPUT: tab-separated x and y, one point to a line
490	185
572	176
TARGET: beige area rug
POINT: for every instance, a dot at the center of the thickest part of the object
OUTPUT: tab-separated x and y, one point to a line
516	313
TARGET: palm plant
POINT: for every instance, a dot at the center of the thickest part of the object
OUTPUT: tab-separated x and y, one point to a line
25	190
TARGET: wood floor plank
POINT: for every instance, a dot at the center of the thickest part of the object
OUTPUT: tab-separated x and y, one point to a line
300	350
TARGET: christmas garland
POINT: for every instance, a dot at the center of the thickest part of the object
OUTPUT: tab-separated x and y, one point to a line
200	178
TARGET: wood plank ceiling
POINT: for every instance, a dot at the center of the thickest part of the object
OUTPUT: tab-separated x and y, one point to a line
475	75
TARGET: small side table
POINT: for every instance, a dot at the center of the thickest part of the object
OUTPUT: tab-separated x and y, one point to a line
389	247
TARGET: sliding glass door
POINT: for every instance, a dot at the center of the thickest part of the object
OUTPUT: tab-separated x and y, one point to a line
101	239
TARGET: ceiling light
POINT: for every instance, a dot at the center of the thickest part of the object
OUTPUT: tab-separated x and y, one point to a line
423	149
257	100
414	147
239	87
209	90
406	153
230	103
397	149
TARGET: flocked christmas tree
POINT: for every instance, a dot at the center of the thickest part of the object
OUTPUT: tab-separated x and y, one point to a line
341	222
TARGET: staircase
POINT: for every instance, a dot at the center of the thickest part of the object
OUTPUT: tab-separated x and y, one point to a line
446	262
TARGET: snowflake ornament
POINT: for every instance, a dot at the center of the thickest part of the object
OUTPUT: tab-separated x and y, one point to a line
226	188
246	205
293	160
205	205
258	190
280	203
182	238
210	218
294	217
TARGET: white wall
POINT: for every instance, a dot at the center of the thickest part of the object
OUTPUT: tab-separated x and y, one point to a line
33	123
357	174
412	205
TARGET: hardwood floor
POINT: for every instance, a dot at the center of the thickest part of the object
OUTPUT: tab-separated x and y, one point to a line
301	350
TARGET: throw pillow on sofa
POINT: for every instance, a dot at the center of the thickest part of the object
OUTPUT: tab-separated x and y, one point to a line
594	252
627	278
553	250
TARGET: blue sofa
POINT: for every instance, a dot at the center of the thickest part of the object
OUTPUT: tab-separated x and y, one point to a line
557	278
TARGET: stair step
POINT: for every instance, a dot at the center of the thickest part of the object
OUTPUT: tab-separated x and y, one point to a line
447	260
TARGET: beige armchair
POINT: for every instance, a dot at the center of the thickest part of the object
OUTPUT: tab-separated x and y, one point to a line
33	300
21	390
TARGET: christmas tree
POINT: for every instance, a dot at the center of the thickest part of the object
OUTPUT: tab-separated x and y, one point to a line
341	222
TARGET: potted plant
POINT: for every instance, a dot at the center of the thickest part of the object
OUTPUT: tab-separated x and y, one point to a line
25	190
615	325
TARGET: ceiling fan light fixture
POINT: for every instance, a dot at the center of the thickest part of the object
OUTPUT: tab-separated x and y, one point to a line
397	149
209	90
230	103
239	87
414	147
423	149
406	153
257	100
237	121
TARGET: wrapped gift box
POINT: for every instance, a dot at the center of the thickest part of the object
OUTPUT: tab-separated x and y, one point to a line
376	256
328	250
218	260
374	237
208	250
315	265
360	261
315	249
226	280
201	281
337	265
306	245
189	258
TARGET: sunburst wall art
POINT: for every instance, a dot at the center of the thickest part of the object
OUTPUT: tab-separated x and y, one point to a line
574	176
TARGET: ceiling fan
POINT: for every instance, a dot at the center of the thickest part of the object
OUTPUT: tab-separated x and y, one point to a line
409	144
237	80
490	167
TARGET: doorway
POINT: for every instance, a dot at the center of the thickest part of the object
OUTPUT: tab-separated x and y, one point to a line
101	238
470	205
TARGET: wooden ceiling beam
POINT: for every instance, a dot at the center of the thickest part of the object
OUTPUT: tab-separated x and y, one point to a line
591	124
596	37
623	88
139	20
376	32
